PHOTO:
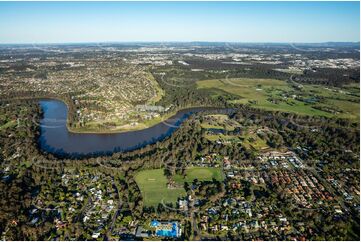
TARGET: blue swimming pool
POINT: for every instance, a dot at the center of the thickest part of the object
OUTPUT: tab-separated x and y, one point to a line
168	233
173	232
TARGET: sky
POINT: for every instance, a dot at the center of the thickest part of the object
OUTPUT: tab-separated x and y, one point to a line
71	22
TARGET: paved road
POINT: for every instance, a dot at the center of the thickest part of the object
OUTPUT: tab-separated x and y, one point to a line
116	213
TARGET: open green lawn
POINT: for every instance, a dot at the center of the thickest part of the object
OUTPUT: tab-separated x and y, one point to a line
219	121
259	92
252	140
222	137
200	173
153	186
346	99
249	140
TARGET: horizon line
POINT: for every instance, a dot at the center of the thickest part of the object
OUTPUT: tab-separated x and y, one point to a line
176	41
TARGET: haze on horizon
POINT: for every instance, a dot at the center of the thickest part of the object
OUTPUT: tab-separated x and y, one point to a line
71	22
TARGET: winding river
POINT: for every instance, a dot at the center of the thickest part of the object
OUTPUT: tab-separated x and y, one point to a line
55	137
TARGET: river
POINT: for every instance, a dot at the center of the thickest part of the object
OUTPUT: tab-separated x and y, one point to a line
55	137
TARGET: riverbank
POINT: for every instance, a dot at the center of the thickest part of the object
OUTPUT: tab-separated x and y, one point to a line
56	138
140	126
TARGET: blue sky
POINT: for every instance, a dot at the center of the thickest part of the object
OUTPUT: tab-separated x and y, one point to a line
59	22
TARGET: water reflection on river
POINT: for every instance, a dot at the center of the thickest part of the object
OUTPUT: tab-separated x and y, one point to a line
55	137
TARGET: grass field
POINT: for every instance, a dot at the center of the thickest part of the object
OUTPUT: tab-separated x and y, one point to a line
250	140
279	95
218	121
153	186
222	137
200	173
253	141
